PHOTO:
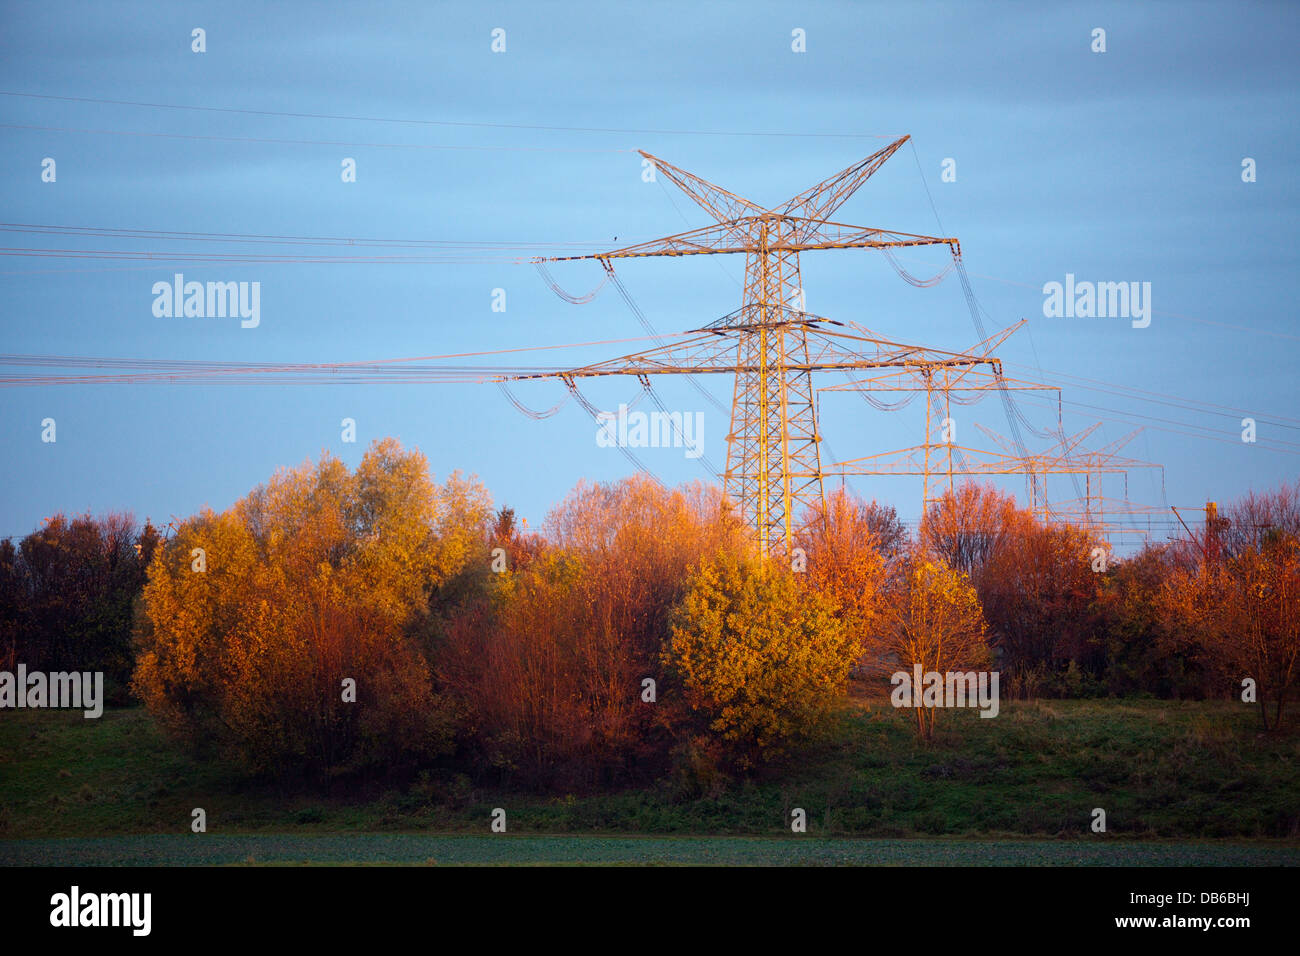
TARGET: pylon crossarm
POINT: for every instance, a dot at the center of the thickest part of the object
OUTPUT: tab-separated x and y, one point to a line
1119	443
820	201
751	315
987	346
1101	463
910	461
716	201
909	379
816	202
1113	506
833	348
1061	449
1065	456
715	351
684	366
701	353
827	351
727	237
905	458
955	373
800	234
916	355
742	236
1068	446
968	379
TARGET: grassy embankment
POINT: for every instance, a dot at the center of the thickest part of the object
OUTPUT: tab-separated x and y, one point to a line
1162	770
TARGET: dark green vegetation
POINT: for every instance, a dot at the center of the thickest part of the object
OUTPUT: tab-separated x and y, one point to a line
1160	769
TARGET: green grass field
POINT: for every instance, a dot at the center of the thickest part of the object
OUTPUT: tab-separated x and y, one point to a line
1181	782
482	850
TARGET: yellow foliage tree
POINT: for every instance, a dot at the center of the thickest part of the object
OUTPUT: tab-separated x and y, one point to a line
758	654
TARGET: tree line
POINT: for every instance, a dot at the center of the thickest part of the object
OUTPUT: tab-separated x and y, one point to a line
334	622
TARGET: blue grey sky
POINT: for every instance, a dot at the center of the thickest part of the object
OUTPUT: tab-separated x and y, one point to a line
1117	166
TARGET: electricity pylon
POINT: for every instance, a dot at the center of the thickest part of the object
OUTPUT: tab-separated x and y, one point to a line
1064	457
938	457
774	470
1105	517
1068	456
1091	509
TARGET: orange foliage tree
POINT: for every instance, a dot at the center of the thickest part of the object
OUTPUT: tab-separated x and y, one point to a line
254	618
969	525
1142	637
550	669
934	621
846	561
1244	613
1036	584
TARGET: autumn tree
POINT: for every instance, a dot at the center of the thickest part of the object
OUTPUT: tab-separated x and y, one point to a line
1249	521
640	540
846	560
531	678
1265	612
551	667
757	654
1036	583
968	526
513	547
1244	614
934	622
280	632
1142	638
67	592
1038	590
882	521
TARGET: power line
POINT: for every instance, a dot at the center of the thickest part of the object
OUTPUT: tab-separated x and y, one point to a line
435	251
1173	315
1161	398
442	123
117	255
265	238
308	142
387	371
1267	443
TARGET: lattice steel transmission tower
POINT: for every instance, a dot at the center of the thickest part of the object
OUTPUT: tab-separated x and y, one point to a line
939	459
774	470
